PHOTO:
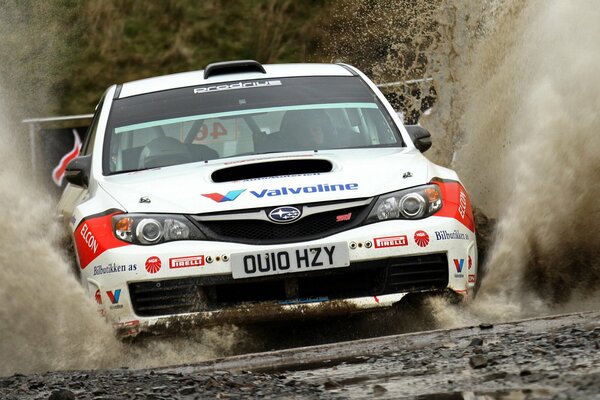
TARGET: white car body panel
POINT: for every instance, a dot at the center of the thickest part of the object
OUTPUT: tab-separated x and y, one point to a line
180	188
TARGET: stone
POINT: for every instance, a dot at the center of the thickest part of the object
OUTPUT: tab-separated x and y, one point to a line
62	394
36	385
494	376
330	384
478	361
379	390
187	390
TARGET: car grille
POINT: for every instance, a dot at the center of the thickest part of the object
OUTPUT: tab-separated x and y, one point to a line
260	231
361	279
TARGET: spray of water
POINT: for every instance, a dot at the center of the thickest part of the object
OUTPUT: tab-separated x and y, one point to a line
519	98
47	321
516	116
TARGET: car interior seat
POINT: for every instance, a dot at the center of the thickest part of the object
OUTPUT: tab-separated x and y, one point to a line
294	127
164	151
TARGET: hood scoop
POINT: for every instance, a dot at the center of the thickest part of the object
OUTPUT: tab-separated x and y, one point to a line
271	168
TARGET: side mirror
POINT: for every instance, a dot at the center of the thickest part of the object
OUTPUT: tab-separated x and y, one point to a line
420	137
78	171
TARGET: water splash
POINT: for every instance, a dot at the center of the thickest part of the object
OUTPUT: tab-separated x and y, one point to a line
522	100
516	116
47	321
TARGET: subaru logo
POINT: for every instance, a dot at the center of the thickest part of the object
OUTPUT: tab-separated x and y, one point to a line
284	214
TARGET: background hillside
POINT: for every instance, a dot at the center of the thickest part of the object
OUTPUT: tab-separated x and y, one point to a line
58	56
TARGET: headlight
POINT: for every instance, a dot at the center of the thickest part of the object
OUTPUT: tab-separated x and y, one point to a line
149	231
153	229
414	203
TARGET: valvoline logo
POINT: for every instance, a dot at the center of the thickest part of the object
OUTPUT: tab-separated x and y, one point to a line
230	196
283	191
114	296
459	264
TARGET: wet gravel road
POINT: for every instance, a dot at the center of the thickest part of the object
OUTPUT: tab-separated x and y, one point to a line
554	357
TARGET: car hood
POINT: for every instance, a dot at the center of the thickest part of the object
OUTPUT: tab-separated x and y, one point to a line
190	189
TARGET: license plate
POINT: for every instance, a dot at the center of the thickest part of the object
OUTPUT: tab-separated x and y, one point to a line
289	260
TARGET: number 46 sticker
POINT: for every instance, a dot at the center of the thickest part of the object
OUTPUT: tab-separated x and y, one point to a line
217	130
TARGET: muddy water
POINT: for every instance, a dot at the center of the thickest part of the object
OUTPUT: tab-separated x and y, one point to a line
45	321
519	98
516	117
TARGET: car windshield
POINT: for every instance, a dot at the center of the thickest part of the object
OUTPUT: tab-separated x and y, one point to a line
209	122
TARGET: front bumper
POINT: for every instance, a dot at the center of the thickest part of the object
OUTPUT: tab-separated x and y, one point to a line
140	288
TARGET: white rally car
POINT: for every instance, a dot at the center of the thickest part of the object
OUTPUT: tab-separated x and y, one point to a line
249	191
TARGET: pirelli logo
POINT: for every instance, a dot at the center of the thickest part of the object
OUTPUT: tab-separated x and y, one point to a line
390	241
184	262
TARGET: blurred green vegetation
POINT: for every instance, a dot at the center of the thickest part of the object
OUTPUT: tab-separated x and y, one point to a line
130	39
58	56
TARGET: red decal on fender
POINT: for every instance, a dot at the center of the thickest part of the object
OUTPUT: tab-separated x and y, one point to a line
456	203
94	236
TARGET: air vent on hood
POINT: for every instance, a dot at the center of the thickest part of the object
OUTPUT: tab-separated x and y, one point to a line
272	168
233	67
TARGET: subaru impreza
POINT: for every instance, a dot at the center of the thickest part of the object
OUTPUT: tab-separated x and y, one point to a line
250	192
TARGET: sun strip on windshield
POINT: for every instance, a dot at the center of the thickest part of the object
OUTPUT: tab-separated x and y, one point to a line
169	121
